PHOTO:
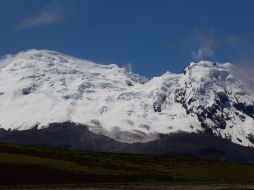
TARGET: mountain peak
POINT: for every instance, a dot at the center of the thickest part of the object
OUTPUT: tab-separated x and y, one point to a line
40	87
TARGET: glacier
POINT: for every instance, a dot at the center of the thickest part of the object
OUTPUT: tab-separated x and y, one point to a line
40	87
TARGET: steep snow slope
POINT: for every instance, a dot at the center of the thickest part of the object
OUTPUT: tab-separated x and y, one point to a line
42	87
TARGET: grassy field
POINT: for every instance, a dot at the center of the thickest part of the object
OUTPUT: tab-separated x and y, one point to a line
26	165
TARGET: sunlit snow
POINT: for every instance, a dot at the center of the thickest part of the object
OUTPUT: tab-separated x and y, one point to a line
39	87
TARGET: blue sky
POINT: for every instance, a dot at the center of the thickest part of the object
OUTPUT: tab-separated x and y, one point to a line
152	36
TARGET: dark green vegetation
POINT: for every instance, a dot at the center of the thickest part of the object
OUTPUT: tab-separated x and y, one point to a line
33	165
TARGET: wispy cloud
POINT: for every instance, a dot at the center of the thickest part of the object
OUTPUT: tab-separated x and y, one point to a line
48	15
202	44
206	44
202	53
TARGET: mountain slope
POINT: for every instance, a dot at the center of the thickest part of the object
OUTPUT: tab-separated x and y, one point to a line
77	137
40	87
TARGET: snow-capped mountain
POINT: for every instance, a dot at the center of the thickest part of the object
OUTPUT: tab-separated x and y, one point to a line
40	87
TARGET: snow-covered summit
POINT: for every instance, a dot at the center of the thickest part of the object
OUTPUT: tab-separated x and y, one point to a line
39	87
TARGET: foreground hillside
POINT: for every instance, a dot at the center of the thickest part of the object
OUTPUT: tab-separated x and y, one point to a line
32	165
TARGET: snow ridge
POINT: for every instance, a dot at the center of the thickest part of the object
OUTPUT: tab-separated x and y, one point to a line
39	87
